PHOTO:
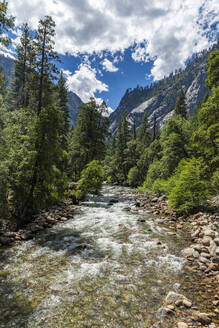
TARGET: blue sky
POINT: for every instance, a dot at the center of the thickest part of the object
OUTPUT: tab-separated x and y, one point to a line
109	46
129	74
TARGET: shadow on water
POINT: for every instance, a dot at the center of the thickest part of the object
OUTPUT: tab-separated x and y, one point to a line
71	242
14	307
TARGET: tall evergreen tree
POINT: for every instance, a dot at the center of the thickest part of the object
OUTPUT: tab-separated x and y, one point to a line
63	102
45	62
47	180
6	23
180	108
89	137
144	135
122	138
23	69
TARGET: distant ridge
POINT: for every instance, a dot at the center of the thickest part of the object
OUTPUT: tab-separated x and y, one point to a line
160	98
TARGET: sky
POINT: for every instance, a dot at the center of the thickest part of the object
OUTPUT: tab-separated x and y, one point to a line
107	46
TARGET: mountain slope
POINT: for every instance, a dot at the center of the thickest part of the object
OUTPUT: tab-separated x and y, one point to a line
159	99
74	101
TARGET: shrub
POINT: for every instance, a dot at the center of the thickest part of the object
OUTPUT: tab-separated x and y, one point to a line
188	190
91	180
133	177
154	172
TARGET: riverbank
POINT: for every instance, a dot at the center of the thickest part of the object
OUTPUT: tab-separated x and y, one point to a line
202	263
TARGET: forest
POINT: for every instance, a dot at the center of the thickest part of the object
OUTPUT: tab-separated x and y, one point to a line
41	154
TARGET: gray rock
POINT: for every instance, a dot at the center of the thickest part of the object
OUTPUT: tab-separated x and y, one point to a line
182	325
212	248
203	318
209	233
203	260
196	233
207	255
26	235
187	303
216	240
206	241
173	297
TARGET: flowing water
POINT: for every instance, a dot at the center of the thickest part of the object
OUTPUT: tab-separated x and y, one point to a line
102	268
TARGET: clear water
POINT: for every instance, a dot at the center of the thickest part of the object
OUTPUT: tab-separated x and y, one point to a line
102	268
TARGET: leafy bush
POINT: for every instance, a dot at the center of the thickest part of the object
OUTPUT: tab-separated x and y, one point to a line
188	190
154	172
91	180
215	182
133	177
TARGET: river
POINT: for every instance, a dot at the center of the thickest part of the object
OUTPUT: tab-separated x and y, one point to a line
105	267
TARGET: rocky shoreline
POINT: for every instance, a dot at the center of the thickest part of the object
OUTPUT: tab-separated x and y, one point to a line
202	255
202	260
45	219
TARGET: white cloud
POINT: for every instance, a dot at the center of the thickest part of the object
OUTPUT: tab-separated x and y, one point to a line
168	31
84	82
108	66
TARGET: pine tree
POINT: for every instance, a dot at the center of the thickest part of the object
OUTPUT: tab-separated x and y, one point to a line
45	62
144	135
122	138
180	108
89	137
63	102
6	23
213	71
23	69
47	181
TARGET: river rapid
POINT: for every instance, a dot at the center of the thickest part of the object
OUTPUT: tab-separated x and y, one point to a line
105	267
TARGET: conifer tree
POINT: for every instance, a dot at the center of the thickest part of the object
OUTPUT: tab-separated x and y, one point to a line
23	69
180	108
45	62
6	23
47	181
213	71
63	102
122	138
143	134
89	137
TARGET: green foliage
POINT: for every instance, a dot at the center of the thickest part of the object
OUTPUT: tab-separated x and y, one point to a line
189	191
133	177
206	138
180	108
63	102
215	182
174	139
6	22
213	71
91	180
89	137
143	132
23	71
4	174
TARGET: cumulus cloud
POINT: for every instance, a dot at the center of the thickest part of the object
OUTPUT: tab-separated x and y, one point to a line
108	66
84	82
166	31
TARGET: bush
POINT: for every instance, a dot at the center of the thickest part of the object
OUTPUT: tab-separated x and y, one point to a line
188	190
215	182
154	172
133	177
91	180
